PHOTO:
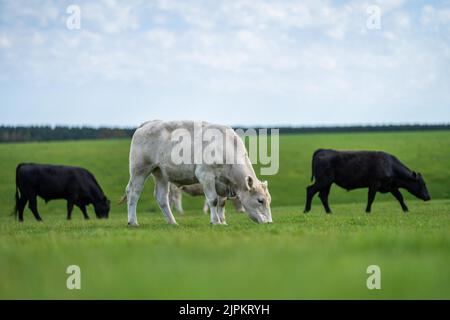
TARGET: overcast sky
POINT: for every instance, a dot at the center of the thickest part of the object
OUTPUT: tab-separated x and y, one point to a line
231	62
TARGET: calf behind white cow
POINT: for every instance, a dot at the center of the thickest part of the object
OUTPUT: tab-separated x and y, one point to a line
151	153
194	190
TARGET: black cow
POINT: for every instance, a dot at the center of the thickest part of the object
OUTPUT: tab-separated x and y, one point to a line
378	171
76	185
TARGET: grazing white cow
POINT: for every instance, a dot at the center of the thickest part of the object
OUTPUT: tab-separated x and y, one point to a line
225	173
194	190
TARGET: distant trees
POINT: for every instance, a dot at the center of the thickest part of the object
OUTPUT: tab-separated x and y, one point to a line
363	128
48	133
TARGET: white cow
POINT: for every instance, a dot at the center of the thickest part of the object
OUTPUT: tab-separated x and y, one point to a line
152	153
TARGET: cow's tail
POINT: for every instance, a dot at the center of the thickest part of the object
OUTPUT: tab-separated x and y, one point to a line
313	164
16	205
122	200
15	211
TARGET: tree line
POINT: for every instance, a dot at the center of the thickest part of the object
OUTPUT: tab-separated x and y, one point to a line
60	133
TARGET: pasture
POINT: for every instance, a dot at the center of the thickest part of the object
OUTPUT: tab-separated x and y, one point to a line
298	257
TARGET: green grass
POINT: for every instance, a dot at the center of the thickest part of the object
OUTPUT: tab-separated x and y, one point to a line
297	257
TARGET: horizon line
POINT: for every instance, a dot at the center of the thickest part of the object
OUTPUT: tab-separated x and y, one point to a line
273	126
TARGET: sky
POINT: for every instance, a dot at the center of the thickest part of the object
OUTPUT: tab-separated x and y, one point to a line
242	62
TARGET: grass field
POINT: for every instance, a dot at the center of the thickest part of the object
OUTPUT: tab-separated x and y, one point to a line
297	257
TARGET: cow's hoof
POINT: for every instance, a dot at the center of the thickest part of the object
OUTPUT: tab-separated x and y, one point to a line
133	224
306	211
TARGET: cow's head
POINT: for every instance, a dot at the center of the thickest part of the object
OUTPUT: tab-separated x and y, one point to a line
418	187
102	208
256	200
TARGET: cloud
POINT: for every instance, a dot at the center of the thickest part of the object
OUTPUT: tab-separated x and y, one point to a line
4	42
241	37
308	53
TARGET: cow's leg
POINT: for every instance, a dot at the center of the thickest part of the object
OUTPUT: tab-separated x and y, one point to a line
221	210
33	207
134	190
179	206
396	193
323	195
310	193
208	182
213	210
69	209
162	196
370	198
175	198
205	207
213	201
84	211
21	207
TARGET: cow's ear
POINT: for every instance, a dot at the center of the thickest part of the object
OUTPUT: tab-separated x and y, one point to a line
414	174
249	182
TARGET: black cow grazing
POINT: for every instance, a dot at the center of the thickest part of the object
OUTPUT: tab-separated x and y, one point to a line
76	185
378	171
